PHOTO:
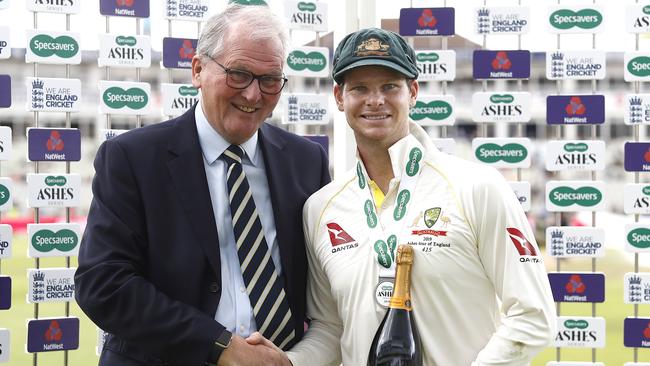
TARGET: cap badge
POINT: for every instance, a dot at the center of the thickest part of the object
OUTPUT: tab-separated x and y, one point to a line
372	47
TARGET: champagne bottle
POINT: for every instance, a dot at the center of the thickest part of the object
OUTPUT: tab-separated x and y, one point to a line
397	342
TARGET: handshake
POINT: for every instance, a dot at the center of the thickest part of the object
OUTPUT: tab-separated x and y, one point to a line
253	351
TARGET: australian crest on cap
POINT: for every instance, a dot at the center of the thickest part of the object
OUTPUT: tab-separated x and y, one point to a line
372	47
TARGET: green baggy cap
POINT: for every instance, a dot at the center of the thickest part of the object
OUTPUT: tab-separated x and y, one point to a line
373	46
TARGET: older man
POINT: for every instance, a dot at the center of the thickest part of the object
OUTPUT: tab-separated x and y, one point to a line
193	240
479	290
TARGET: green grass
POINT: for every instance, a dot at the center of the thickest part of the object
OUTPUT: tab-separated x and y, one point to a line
614	310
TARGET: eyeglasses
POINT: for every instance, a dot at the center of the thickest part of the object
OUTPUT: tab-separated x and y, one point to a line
241	79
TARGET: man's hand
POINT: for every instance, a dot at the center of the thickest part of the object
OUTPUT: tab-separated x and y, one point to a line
253	351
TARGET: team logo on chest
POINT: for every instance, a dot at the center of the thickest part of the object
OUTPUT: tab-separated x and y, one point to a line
426	239
431	216
339	238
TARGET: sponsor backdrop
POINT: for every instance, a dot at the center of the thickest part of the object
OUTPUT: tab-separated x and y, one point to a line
501	96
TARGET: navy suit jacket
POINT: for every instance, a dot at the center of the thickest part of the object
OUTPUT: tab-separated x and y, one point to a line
149	266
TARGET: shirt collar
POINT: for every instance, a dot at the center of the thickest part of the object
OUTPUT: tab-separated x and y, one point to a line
213	144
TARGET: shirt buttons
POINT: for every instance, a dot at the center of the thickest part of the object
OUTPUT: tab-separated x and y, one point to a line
241	329
242	289
214	287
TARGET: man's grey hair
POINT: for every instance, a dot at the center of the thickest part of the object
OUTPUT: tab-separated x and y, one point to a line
258	22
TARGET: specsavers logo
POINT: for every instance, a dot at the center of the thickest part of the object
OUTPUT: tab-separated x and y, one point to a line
306	6
436	110
576	324
44	45
126	41
639	66
53	181
583	196
567	19
403	199
576	147
314	61
428	57
502	98
4	194
188	91
413	165
371	218
510	153
134	98
63	240
385	251
639	238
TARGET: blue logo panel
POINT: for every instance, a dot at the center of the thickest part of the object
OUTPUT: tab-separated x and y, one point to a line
5	91
178	52
5	292
124	8
637	156
575	109
577	287
51	144
427	22
501	64
52	334
636	332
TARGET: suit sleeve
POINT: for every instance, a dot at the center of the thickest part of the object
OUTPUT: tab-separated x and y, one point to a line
321	343
513	262
111	283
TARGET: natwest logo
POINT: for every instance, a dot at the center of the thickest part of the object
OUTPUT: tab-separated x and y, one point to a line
187	50
427	19
575	107
575	285
501	61
523	246
55	142
53	332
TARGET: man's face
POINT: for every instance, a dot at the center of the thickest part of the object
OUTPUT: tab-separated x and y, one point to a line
237	113
376	102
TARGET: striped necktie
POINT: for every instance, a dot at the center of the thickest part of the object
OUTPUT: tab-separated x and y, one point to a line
263	285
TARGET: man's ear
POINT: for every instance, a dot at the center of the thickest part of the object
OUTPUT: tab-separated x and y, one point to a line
338	96
414	87
197	68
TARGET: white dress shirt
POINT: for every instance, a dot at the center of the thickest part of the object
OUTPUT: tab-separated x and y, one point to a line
234	311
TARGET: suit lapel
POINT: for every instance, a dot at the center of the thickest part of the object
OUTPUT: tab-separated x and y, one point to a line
188	176
280	187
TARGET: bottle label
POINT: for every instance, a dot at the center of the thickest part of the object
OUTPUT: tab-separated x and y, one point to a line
400	303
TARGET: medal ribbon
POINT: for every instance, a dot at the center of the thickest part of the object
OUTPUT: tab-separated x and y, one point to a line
385	240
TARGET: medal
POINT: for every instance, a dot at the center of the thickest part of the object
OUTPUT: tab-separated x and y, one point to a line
384	291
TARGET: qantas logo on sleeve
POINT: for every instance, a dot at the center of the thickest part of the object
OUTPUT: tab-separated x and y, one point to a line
523	245
338	236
